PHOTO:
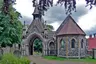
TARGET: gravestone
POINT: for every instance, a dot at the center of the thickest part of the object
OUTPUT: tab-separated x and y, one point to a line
94	53
1	53
17	53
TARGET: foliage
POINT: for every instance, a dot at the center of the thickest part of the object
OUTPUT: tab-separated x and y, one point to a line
70	5
9	58
50	27
43	4
1	3
6	5
10	27
38	45
9	32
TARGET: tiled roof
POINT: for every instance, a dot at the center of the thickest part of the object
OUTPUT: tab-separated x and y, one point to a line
91	43
69	26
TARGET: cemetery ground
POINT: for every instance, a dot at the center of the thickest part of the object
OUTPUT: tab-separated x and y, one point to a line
60	60
10	58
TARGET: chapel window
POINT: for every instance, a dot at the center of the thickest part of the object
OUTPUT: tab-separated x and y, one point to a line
82	41
62	43
73	43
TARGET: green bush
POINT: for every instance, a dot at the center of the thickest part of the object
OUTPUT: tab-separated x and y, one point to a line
12	59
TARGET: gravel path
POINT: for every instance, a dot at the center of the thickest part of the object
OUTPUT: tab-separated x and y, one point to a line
40	60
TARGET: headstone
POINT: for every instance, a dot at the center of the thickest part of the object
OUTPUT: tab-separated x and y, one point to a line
1	53
17	53
23	50
94	53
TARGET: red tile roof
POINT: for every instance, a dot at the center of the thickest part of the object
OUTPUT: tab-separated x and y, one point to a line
91	43
69	26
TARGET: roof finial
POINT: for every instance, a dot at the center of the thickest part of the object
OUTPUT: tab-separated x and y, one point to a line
36	10
45	25
24	23
45	22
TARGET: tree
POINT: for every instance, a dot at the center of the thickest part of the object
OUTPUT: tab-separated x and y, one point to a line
37	45
50	27
10	26
70	5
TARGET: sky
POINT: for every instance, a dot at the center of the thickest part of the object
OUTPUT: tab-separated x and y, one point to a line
55	15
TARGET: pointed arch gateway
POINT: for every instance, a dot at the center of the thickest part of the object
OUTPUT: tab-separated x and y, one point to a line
31	39
52	48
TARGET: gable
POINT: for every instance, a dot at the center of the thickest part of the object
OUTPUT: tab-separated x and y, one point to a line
36	25
69	26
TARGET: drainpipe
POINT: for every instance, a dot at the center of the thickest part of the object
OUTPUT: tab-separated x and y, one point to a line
67	47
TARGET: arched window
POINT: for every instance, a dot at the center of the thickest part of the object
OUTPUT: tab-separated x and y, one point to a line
73	43
82	43
62	43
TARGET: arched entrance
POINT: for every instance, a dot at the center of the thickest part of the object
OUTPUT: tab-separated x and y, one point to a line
37	46
52	48
34	40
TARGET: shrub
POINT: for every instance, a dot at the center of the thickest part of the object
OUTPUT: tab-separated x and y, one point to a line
9	58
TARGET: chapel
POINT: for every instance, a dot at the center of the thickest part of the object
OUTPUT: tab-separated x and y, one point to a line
67	41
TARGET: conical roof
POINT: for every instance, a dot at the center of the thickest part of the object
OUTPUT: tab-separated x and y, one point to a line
69	26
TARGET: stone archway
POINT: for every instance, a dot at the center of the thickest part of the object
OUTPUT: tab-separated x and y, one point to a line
31	39
32	43
51	48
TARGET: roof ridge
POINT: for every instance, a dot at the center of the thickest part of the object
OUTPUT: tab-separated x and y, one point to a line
77	25
62	24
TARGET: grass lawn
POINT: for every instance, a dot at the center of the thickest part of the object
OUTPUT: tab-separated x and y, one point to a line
73	60
54	58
